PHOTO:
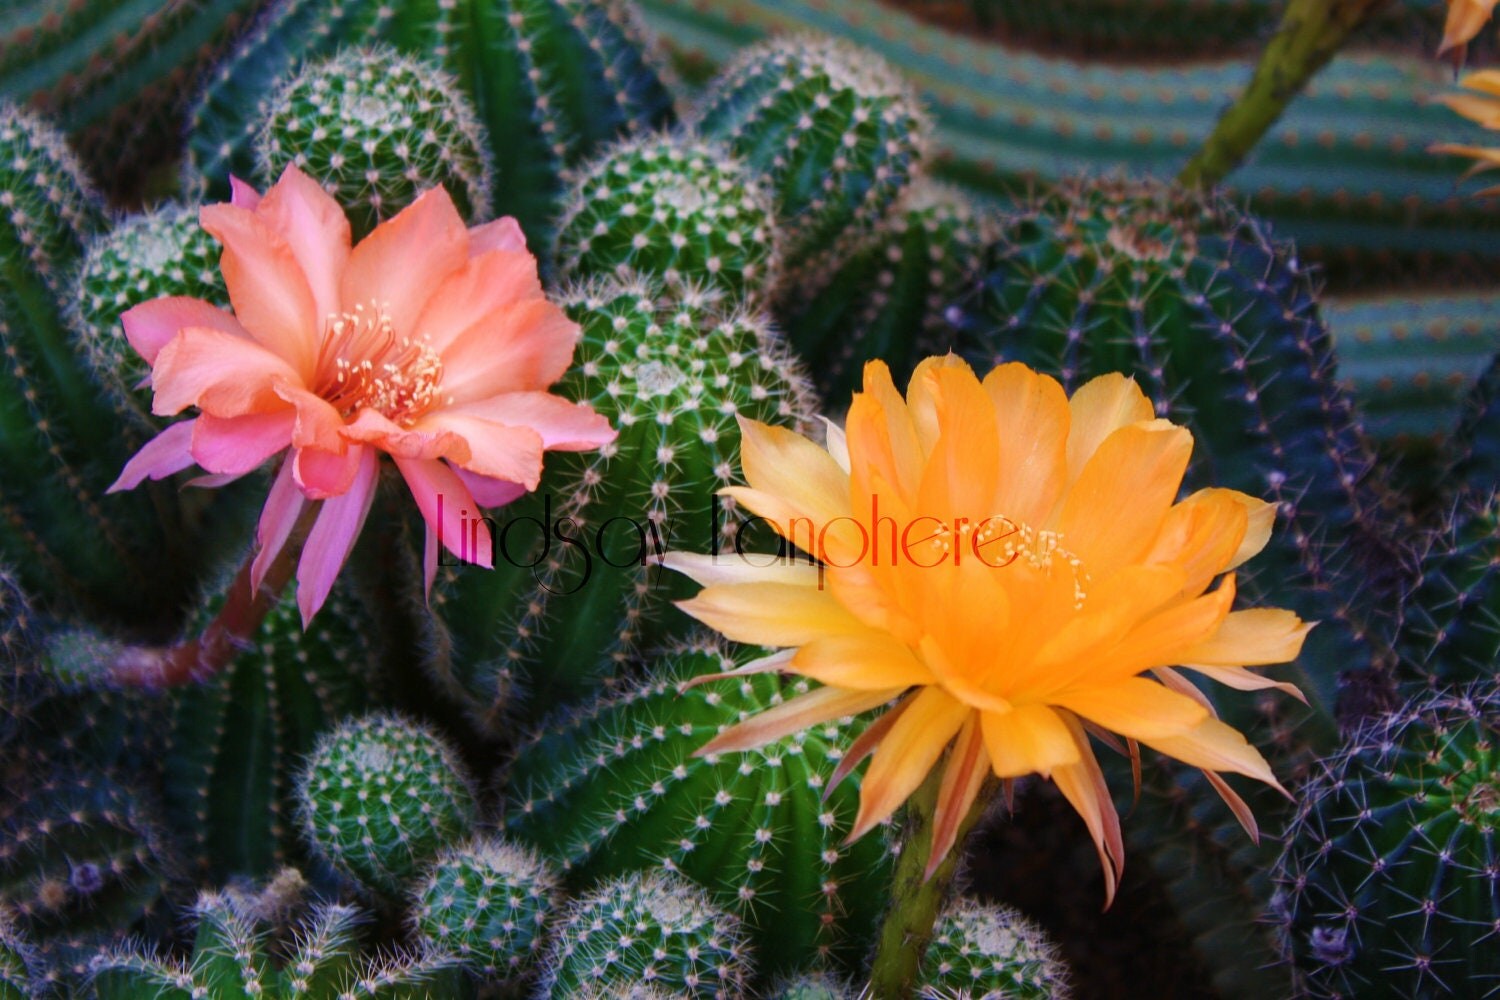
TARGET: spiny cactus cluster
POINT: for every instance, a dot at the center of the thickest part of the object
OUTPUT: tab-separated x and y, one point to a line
1388	884
376	128
576	591
655	931
991	951
615	788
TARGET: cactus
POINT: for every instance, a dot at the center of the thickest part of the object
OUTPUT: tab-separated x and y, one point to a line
17	963
233	957
894	300
114	73
672	375
991	951
671	207
142	257
486	902
1476	440
76	550
615	788
836	132
552	80
1387	886
647	930
18	640
813	986
380	797
1345	173
376	129
236	741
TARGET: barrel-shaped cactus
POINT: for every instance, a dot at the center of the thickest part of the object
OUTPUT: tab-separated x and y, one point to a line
897	298
1387	887
380	797
233	956
142	257
651	931
991	951
836	132
671	207
376	129
486	901
17	963
813	986
616	787
576	591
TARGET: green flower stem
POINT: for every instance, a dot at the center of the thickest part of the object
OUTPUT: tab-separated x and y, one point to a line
1311	32
917	901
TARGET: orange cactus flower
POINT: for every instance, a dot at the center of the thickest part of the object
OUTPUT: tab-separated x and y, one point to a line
428	341
1465	18
1013	570
1483	107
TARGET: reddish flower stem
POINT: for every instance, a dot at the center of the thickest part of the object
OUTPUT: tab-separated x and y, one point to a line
230	632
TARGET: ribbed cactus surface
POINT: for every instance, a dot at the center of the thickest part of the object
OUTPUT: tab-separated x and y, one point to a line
671	207
380	797
991	951
575	592
650	933
1387	887
834	129
376	128
615	787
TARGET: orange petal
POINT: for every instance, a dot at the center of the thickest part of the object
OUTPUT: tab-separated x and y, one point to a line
707	571
316	230
968	765
1099	408
1116	507
1032	415
799	488
771	614
1134	707
525	347
907	754
881	439
1159	640
501	451
922	398
219	372
801	712
562	424
963	463
1214	746
1032	739
1465	18
405	259
1251	638
1111	609
476	293
1082	784
862	661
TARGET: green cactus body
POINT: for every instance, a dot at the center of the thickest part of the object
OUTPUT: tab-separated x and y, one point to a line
1345	173
237	740
75	548
376	129
18	640
1452	632
991	951
143	257
836	132
674	208
1408	361
113	73
671	375
486	902
17	963
813	986
1476	439
650	932
893	300
227	115
233	957
616	787
1387	887
380	797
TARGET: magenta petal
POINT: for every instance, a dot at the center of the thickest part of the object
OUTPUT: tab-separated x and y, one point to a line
151	325
333	536
168	452
284	504
449	510
502	234
236	445
242	195
488	491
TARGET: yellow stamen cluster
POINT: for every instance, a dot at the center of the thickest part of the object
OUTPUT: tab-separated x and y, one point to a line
364	364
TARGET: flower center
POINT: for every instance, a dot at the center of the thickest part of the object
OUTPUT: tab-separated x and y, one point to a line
363	363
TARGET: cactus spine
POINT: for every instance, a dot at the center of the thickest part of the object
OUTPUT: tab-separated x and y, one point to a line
376	129
672	376
991	951
655	931
834	129
755	829
675	208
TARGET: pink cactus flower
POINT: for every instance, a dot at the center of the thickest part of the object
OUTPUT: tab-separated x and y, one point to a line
428	341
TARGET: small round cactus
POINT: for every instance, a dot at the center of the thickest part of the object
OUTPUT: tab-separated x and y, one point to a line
991	952
486	902
836	131
376	129
380	797
656	931
144	257
17	962
671	207
1389	884
813	986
